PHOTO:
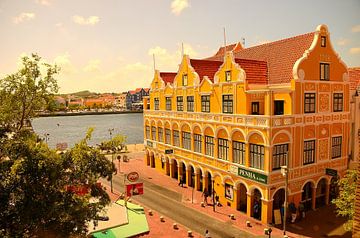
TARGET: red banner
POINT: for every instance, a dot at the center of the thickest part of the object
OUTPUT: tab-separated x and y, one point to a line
134	189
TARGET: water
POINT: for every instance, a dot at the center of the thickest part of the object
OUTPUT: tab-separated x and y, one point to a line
71	129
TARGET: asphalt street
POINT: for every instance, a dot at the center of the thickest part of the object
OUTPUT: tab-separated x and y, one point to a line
168	203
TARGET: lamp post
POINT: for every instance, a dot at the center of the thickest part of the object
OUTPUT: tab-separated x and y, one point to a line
285	172
213	192
112	157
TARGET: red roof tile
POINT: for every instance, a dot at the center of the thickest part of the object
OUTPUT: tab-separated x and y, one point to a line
233	47
138	90
354	77
205	68
280	55
167	77
256	71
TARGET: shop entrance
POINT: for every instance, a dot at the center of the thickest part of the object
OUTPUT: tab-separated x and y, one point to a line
278	201
209	184
147	159
192	177
321	193
307	196
152	159
334	188
183	173
256	212
200	188
242	198
175	167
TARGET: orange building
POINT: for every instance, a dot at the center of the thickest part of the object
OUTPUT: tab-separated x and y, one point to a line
229	122
354	76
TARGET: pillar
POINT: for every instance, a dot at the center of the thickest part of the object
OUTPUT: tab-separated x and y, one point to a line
327	193
250	204
234	203
197	181
216	144
313	198
247	154
266	211
230	152
167	167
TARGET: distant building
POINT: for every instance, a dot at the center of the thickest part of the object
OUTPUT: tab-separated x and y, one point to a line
120	101
134	98
354	77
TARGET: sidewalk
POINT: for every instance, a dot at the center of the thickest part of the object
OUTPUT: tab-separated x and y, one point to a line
193	199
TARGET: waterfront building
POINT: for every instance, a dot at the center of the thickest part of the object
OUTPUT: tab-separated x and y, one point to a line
229	122
134	98
354	78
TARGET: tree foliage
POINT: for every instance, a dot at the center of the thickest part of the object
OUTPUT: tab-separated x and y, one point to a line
36	199
27	91
116	143
345	203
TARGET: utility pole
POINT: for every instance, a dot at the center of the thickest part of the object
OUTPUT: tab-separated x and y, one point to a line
213	192
112	157
285	172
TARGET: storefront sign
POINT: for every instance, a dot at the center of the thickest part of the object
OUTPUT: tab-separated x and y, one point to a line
169	151
229	192
331	172
261	178
134	189
132	177
149	143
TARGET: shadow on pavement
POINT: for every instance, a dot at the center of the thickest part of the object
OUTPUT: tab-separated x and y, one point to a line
320	223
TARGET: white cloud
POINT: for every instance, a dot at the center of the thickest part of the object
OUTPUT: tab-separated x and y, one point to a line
92	66
91	20
354	51
64	62
166	60
43	2
177	6
24	16
343	41
355	28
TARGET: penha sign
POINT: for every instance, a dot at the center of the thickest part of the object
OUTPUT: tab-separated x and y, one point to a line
257	177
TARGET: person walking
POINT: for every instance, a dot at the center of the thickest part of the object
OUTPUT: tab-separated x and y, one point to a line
292	209
205	195
301	210
181	181
207	234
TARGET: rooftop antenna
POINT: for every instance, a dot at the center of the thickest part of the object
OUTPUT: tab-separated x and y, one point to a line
182	49
154	62
224	42
243	41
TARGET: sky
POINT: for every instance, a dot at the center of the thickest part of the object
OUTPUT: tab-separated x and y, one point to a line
108	45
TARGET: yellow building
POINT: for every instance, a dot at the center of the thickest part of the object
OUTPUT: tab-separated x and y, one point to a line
229	122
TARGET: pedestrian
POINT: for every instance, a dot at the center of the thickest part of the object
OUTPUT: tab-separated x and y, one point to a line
207	234
181	181
301	210
256	209
217	202
292	209
205	195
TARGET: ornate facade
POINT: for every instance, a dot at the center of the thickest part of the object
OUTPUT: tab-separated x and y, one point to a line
229	122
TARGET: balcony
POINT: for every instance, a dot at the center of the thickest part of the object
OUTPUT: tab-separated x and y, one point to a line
261	121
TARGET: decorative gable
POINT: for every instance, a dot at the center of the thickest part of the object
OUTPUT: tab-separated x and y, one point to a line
186	75
229	71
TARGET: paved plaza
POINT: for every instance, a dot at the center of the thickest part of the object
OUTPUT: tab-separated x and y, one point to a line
322	223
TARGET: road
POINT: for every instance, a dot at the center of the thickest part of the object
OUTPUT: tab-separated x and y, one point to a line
168	203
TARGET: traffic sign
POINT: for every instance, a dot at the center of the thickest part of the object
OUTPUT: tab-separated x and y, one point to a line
331	172
133	177
134	189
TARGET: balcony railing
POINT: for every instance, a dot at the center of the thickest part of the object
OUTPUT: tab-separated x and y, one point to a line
263	121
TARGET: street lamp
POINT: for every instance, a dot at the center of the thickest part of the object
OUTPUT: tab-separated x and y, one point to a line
285	173
112	157
213	192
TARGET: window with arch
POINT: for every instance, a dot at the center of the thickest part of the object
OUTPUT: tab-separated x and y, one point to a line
160	134
176	138
223	149
186	140
209	145
167	136
280	153
153	132
147	132
257	153
238	152
197	143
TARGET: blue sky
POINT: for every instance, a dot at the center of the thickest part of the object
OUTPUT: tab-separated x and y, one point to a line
107	45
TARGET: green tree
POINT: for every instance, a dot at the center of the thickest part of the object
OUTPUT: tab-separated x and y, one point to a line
38	187
345	202
25	92
116	143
